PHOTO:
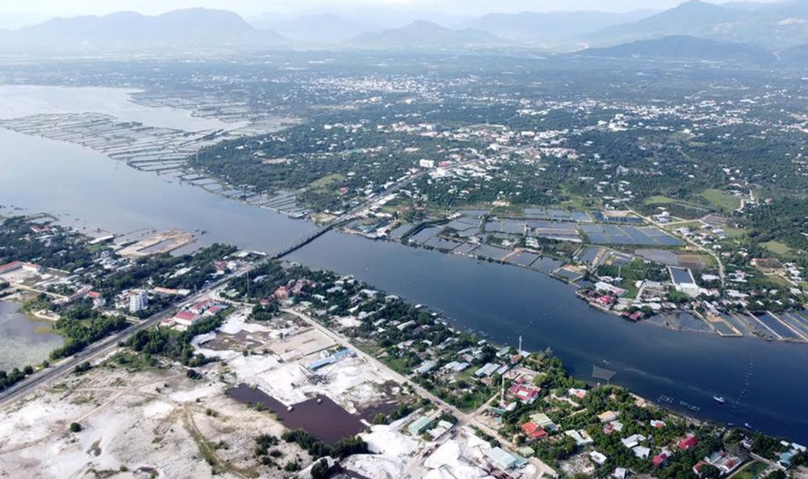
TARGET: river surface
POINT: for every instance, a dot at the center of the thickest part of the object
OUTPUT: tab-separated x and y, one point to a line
765	384
23	341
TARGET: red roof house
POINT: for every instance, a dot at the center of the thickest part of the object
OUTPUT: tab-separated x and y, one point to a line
533	430
186	317
282	293
660	459
525	393
688	442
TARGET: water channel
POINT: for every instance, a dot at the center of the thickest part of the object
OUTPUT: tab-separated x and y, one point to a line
765	383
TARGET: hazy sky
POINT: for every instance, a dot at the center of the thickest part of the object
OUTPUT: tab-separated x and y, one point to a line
255	7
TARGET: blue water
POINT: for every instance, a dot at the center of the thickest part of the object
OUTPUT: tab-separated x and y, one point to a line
502	301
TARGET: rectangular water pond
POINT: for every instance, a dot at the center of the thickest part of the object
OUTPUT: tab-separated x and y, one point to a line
492	252
523	259
795	321
680	276
589	255
545	264
442	244
320	416
775	325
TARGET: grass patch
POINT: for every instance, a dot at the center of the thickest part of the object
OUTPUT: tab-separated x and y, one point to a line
721	199
95	248
733	233
370	347
776	247
578	202
693	225
778	280
752	470
326	181
659	200
629	286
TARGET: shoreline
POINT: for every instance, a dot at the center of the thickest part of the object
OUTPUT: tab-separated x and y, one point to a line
291	215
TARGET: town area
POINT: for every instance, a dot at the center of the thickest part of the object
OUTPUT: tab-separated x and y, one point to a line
281	371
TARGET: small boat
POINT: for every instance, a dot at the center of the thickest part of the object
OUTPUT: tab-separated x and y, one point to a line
719	399
746	425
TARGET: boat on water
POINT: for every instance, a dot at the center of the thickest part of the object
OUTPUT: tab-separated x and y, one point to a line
719	399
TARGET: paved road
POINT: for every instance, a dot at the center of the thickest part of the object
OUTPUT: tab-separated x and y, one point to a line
102	347
106	345
543	469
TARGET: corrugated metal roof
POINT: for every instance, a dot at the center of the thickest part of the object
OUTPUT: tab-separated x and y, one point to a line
322	362
343	353
502	458
419	425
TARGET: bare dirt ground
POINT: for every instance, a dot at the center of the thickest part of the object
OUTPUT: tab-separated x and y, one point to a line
155	423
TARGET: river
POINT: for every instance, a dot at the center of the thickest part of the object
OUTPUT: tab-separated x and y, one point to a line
766	384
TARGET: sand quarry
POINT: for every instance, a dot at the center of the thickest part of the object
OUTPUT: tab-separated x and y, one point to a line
158	423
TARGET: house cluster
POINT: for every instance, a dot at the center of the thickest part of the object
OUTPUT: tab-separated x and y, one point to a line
291	289
195	312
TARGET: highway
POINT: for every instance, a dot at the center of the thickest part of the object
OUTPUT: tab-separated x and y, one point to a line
106	345
100	348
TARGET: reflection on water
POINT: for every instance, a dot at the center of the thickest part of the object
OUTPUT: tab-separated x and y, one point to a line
504	301
321	417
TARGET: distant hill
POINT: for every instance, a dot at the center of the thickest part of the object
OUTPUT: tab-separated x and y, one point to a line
317	28
746	6
550	27
794	56
686	48
690	18
179	28
420	34
774	25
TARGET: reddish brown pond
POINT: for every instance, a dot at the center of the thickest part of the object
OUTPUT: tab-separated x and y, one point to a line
326	420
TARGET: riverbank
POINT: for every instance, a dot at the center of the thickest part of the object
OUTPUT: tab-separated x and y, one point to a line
503	302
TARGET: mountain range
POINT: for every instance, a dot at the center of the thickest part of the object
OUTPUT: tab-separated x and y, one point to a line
420	34
682	47
549	28
321	28
751	31
773	25
195	27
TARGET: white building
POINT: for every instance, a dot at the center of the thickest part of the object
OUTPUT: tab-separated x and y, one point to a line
138	301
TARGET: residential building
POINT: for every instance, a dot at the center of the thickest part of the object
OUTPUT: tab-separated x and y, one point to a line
138	301
688	443
543	421
185	318
724	461
533	430
633	440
